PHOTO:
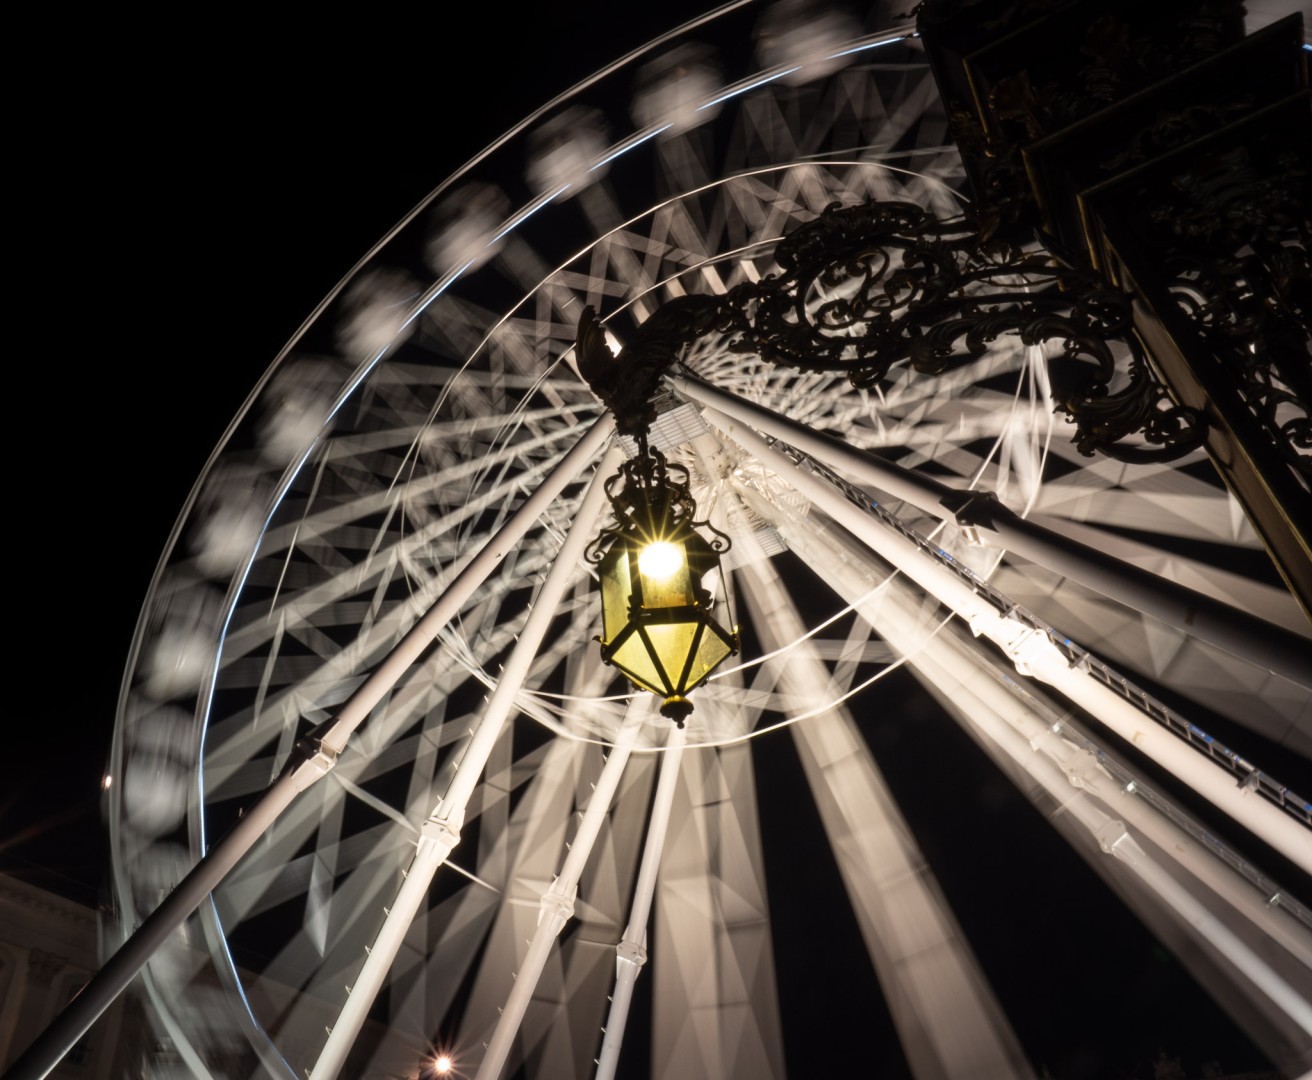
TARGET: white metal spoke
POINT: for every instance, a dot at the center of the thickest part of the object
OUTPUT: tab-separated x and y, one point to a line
717	1012
557	903
441	832
1258	956
1033	657
948	1021
631	953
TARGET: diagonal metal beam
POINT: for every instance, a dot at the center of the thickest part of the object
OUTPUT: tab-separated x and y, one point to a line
313	759
1269	647
441	833
1035	654
958	1030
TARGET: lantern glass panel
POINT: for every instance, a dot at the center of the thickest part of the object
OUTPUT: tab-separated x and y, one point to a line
672	643
635	661
711	651
673	590
616	587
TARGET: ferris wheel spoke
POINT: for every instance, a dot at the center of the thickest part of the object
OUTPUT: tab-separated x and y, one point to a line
359	860
1029	735
239	739
557	902
378	752
1037	656
1153	500
631	952
417	638
1262	599
712	929
948	1020
442	831
1231	629
550	478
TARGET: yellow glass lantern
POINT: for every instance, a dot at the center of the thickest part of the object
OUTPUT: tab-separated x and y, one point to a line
659	623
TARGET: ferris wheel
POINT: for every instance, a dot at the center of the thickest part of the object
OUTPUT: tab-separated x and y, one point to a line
515	863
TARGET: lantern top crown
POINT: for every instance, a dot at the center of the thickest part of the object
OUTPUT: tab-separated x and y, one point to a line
646	485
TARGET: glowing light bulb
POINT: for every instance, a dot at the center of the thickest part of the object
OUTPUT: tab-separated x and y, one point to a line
660	560
442	1065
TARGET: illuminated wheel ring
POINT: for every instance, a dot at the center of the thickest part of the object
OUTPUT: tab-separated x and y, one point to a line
381	465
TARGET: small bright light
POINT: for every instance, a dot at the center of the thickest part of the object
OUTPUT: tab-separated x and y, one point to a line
106	782
442	1065
660	560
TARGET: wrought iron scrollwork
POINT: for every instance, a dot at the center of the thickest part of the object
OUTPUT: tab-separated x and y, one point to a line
863	288
1236	260
649	488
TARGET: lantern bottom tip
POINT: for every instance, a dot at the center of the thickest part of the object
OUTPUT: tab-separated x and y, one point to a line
677	708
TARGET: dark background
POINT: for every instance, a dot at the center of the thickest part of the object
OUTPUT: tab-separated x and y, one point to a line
184	209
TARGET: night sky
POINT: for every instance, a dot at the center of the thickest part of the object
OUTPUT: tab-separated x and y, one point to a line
190	212
201	202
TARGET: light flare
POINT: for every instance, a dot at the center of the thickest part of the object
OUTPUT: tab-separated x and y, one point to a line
660	560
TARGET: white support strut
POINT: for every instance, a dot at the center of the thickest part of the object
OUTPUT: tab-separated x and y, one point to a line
558	900
441	832
631	952
1267	969
1238	632
474	573
1034	654
949	1023
45	1052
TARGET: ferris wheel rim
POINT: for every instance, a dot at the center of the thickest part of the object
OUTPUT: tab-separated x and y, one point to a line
210	911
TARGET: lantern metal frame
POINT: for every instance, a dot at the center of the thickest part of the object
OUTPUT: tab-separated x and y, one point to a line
652	502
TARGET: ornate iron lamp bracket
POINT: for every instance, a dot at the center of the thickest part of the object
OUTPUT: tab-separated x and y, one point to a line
628	383
863	288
